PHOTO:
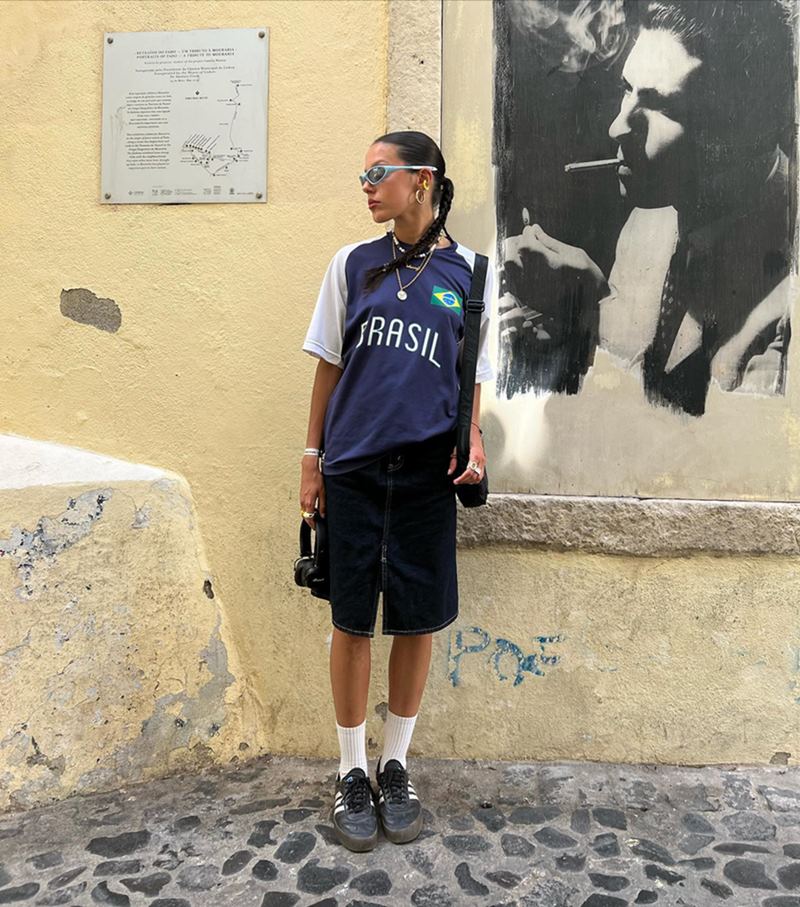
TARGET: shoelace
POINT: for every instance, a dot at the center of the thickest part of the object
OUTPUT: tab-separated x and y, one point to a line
395	786
357	795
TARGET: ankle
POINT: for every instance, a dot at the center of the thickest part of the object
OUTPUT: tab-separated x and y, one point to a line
397	737
352	748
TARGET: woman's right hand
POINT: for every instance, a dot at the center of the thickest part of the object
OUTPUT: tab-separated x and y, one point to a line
312	489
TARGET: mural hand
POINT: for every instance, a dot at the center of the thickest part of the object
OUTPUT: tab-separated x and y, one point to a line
514	316
563	256
541	267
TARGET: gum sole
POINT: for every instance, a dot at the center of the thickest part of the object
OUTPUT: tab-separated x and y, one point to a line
406	834
357	845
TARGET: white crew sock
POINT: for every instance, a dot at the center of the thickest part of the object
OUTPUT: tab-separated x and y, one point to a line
397	736
352	748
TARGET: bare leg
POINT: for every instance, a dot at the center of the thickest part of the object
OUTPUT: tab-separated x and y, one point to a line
350	666
408	670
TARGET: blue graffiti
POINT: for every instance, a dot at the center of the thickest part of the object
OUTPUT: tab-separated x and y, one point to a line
502	654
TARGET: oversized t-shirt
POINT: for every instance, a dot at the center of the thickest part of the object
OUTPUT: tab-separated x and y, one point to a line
399	358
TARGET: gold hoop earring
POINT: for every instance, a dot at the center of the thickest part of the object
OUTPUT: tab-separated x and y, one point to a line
421	201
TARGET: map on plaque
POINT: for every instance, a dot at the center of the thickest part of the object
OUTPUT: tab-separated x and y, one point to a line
185	116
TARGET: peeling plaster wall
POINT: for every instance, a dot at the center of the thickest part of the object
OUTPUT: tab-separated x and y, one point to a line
567	655
113	663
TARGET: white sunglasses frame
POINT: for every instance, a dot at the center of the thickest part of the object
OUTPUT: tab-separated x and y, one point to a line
390	168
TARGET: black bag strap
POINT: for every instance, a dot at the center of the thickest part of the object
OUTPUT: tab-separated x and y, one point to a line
469	357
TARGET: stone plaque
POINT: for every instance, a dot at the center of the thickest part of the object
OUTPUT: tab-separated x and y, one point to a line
185	116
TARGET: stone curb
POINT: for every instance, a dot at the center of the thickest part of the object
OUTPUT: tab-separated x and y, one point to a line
650	527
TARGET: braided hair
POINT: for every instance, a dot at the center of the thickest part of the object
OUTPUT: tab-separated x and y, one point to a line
417	148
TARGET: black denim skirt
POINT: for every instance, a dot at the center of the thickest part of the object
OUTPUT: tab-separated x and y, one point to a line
392	530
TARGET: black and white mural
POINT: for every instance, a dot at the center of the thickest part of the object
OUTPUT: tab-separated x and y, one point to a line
646	182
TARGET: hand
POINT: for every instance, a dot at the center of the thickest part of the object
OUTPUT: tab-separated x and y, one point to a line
546	273
312	489
477	455
514	316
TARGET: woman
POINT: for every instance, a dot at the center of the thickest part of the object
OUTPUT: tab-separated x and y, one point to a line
386	330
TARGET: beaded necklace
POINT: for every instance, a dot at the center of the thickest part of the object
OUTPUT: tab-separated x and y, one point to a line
401	293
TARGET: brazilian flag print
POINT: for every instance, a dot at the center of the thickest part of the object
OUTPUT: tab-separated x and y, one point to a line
447	299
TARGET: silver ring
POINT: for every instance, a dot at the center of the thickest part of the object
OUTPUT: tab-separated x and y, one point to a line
472	465
306	515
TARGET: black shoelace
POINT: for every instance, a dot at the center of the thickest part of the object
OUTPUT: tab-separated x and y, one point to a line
395	786
357	795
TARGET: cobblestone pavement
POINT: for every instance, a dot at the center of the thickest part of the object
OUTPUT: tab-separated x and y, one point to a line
528	835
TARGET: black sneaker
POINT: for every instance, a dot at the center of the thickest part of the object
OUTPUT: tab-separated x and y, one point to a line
353	813
398	804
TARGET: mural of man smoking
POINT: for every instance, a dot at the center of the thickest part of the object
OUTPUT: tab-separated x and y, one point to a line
694	283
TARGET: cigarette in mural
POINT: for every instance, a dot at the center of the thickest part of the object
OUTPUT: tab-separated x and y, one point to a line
583	166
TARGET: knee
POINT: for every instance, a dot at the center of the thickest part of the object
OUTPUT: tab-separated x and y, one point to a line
414	641
351	641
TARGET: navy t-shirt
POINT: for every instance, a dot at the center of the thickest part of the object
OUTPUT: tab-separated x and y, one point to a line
399	358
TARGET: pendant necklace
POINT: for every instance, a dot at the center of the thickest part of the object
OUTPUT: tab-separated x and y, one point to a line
401	293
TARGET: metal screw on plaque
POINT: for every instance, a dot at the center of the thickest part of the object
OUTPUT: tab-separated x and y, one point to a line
110	39
261	34
107	195
258	195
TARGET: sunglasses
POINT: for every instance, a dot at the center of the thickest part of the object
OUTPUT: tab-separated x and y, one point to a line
378	173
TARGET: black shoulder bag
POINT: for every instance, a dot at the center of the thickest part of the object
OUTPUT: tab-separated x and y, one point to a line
470	495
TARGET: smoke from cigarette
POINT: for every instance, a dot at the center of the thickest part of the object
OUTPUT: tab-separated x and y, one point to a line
574	34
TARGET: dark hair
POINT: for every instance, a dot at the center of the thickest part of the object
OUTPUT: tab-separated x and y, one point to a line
748	48
417	148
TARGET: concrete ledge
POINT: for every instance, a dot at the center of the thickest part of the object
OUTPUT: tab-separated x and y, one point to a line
114	661
27	462
650	527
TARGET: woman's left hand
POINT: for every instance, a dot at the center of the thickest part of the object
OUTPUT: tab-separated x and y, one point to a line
476	465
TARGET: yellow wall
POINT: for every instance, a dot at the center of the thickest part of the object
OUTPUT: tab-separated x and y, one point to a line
687	660
205	376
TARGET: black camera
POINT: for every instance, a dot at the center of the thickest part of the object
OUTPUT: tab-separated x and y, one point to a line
311	569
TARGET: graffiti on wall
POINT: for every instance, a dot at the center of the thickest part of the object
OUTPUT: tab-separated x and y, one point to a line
646	181
508	661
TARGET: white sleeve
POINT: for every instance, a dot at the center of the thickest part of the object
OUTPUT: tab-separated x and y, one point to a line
484	371
325	333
